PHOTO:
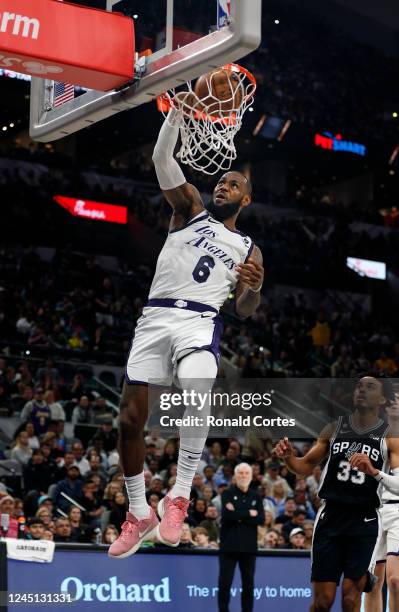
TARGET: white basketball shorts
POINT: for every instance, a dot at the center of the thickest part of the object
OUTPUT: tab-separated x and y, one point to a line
167	331
388	538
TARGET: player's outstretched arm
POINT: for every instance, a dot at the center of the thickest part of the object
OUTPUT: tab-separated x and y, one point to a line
250	281
183	197
304	466
389	481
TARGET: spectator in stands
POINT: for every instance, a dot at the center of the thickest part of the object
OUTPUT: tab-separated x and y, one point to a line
48	375
96	468
186	540
108	435
272	471
297	539
154	438
153	501
301	497
92	504
10	382
313	481
34	529
209	473
21	452
197	514
168	456
110	534
288	512
109	493
210	523
297	520
201	538
45	516
78	529
207	494
308	529
216	456
77	388
64	464
257	477
118	510
24	376
45	501
385	365
271	539
33	440
197	486
217	500
280	490
83	412
62	530
7	507
38	412
71	486
80	461
48	535
224	473
56	410
37	474
97	444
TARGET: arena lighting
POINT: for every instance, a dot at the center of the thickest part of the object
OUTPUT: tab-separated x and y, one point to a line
394	155
96	211
336	143
367	267
394	115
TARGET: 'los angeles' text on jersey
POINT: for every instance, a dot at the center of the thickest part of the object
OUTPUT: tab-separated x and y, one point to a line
198	262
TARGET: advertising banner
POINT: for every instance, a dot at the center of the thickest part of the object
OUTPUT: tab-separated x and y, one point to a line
176	582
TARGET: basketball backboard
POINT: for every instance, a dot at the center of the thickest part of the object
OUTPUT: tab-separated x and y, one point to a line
176	41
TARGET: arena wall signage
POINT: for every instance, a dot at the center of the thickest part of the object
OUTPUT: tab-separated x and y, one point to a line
167	582
367	267
75	44
328	141
96	211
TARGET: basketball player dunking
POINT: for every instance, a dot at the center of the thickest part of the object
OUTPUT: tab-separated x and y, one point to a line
203	259
347	523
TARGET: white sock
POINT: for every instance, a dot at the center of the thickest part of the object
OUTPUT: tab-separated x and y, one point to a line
204	365
187	465
135	486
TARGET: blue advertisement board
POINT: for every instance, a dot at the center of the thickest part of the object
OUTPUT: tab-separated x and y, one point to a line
155	581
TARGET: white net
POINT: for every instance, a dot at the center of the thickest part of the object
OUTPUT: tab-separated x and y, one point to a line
210	114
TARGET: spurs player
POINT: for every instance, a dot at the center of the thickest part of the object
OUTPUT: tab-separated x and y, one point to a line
203	259
387	553
347	524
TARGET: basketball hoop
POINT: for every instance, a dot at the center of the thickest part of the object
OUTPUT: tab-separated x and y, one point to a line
208	124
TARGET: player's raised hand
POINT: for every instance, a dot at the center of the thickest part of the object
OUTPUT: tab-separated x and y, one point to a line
251	273
362	462
284	449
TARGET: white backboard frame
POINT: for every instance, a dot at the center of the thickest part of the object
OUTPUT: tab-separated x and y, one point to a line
164	70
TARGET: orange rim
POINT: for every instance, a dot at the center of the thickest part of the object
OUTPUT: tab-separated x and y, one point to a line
164	103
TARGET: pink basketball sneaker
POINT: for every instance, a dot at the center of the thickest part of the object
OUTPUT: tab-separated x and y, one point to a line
172	512
134	531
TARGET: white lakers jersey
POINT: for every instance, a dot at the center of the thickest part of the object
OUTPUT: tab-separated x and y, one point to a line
198	262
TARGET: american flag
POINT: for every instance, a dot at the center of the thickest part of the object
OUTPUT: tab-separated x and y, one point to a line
63	92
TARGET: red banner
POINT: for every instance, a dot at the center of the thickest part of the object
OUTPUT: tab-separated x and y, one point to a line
96	211
67	42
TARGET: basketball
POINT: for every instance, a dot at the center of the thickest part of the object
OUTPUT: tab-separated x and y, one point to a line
219	91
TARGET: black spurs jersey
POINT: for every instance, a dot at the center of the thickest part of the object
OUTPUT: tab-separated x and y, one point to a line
344	484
